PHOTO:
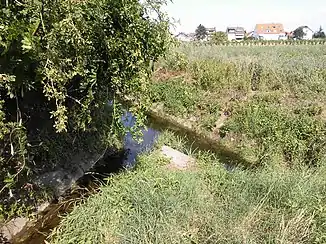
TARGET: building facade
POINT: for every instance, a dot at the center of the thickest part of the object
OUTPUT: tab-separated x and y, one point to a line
185	37
307	33
235	33
269	31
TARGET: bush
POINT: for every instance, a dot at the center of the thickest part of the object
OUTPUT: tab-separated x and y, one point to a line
61	62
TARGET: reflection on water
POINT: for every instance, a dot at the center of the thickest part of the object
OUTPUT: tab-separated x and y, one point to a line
132	147
114	162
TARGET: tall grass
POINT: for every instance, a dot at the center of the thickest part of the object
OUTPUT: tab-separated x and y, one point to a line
285	84
205	205
264	103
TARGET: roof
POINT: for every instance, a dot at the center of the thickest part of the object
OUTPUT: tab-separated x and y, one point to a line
304	26
211	29
186	35
236	29
269	28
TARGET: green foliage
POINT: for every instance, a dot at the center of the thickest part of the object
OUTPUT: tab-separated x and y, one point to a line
212	74
320	33
298	33
201	32
174	60
61	62
263	103
298	138
219	37
178	98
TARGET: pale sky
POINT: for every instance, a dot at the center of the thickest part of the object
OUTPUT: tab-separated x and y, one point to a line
246	13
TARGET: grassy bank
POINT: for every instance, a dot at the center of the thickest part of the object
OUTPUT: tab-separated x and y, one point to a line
265	103
205	205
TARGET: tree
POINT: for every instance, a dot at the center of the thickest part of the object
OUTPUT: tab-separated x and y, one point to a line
61	63
298	33
320	33
219	37
201	32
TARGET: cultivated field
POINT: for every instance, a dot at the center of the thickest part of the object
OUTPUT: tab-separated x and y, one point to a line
266	103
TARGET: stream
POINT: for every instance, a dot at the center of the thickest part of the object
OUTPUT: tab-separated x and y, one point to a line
90	182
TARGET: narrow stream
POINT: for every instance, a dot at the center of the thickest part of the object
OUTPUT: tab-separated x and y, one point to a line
89	184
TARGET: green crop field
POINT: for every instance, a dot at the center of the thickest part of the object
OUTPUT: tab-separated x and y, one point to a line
266	103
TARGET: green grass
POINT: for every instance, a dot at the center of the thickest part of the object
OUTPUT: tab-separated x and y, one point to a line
274	97
264	104
205	205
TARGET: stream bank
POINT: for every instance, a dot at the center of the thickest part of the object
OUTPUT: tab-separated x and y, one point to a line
36	232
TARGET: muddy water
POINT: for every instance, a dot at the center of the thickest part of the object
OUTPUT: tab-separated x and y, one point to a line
50	218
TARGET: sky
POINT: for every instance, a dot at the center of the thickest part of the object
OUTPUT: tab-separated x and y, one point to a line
246	13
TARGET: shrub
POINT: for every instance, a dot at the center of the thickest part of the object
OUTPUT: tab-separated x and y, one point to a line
61	62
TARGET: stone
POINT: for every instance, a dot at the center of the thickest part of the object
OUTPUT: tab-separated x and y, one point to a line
178	160
63	179
220	122
42	207
13	227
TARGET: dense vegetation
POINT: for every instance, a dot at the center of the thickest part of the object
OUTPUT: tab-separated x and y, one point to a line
61	62
265	103
204	205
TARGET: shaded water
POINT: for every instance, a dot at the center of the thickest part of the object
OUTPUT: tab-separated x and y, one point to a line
132	147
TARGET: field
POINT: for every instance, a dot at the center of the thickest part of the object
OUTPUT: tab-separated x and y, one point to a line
266	104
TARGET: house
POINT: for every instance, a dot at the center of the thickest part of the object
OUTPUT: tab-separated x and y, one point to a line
235	33
185	37
269	31
307	33
210	32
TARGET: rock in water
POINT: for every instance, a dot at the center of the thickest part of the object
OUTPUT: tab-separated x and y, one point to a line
178	160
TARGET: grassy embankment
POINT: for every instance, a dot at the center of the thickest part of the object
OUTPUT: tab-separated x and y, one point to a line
207	204
264	103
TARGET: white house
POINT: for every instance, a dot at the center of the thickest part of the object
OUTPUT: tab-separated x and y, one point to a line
270	31
235	33
307	33
210	32
185	37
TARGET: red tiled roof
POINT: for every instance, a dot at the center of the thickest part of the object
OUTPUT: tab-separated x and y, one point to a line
271	28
